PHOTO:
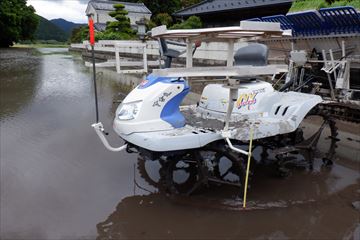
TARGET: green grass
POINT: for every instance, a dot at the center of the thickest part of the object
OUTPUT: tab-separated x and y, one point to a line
302	5
353	3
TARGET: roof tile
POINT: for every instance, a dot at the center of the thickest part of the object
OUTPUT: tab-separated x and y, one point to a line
208	6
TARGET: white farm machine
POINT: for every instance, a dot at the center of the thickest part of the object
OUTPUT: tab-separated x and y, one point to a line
213	140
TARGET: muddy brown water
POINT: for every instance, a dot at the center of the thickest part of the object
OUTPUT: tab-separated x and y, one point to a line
59	182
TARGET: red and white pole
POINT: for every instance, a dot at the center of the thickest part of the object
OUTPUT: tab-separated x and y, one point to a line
92	43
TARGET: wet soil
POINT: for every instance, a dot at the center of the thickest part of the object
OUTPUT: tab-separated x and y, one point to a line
59	182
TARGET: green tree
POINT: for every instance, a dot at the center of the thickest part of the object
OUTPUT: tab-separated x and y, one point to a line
150	24
187	3
163	19
79	34
119	29
46	30
17	22
160	6
191	23
162	10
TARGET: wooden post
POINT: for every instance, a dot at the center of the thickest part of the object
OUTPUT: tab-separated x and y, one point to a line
145	58
189	57
117	57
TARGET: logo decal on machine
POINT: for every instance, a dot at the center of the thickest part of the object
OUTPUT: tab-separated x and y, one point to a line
248	99
161	99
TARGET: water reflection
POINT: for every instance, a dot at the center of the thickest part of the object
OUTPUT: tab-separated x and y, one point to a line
57	179
20	72
156	217
267	189
69	86
299	207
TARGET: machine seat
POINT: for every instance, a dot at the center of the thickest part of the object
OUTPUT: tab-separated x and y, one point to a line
255	54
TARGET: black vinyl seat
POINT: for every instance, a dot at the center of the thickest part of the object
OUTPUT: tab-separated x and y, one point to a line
254	54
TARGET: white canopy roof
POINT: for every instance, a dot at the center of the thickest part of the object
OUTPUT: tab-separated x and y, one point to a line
235	71
247	29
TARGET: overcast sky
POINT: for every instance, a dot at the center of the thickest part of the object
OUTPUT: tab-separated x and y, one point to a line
71	10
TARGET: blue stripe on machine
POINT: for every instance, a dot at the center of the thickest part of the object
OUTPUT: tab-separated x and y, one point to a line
171	112
152	79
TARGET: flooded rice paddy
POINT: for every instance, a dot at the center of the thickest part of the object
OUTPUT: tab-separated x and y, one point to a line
59	182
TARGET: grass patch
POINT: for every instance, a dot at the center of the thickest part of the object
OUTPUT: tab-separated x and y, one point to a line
353	3
303	5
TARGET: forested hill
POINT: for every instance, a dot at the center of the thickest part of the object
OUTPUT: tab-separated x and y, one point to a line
66	26
47	30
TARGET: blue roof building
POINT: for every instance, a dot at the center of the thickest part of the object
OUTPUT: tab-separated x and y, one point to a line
217	13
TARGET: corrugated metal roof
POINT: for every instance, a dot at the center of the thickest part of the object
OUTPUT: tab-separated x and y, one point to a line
212	6
130	7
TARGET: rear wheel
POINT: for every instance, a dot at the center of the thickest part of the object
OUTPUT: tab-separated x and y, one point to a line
182	174
190	172
151	170
319	138
316	138
229	167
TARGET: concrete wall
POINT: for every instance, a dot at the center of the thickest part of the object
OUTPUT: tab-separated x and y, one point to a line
216	53
207	51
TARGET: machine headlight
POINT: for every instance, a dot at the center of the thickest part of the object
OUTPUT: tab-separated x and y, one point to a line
129	111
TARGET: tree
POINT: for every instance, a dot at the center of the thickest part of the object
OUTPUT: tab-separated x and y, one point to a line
162	10
17	22
160	6
79	34
119	29
163	19
188	3
46	30
191	23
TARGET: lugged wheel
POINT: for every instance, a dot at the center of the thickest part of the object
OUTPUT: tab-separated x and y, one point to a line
219	165
315	138
228	166
152	170
183	173
320	141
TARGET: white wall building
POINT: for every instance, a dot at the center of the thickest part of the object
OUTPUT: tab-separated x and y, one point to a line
100	9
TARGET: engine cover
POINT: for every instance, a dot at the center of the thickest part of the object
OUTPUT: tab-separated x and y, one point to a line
215	97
